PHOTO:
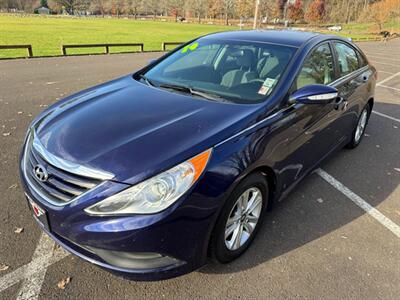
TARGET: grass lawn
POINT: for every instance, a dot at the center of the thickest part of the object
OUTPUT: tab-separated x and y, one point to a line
46	35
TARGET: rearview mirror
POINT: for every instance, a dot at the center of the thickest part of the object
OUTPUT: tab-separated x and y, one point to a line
314	94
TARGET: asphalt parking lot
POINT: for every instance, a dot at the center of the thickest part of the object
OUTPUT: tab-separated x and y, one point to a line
336	236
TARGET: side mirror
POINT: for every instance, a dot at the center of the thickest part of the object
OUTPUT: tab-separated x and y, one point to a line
314	94
150	61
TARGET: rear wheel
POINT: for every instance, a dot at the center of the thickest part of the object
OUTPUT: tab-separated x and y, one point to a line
358	132
240	219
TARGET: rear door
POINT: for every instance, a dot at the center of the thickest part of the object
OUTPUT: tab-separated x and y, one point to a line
353	77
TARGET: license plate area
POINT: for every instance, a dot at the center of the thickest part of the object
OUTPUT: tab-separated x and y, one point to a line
39	213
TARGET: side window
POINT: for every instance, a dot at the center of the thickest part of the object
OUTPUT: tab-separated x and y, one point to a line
318	68
347	59
362	60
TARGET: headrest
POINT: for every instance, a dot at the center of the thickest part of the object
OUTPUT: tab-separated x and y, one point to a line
281	55
245	59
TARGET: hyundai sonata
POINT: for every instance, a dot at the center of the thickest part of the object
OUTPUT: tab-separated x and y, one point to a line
153	173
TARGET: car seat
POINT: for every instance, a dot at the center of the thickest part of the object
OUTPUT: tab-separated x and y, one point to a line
242	75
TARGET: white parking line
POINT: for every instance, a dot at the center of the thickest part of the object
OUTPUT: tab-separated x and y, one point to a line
39	264
381	63
389	224
31	286
387	79
380	71
385	116
388	87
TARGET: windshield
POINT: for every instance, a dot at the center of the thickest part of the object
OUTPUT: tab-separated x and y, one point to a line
241	72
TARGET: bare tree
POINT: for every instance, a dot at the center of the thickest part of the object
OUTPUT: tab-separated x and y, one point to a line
228	6
132	7
100	6
73	5
117	7
175	7
199	8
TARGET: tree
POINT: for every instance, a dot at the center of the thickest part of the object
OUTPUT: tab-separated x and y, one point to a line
315	12
43	3
199	8
133	7
175	7
100	6
295	11
214	8
152	5
72	5
244	8
117	7
380	12
280	8
228	6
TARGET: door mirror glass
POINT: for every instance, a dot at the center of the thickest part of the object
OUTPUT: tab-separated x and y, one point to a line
315	94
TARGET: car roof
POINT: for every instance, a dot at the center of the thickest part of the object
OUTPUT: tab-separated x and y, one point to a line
291	38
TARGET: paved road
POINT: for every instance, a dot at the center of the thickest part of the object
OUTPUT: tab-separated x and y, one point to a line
317	244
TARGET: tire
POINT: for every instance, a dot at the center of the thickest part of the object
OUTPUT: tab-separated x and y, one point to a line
226	248
358	133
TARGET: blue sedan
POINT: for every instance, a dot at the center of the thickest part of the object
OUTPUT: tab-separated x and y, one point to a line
152	174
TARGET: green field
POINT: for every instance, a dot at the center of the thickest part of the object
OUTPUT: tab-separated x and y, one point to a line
46	35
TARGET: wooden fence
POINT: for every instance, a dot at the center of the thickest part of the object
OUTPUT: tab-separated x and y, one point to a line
106	47
165	44
28	47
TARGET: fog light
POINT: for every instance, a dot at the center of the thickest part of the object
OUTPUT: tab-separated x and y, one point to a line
137	261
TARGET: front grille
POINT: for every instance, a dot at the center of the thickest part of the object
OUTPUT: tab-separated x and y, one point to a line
61	186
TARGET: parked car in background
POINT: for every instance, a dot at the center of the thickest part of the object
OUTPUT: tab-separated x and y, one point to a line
335	28
152	174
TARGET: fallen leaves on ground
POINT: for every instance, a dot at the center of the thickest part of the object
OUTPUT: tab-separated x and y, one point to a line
19	229
64	282
4	267
6	133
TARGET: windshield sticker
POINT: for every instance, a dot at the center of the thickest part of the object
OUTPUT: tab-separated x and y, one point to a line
267	86
263	90
269	82
190	47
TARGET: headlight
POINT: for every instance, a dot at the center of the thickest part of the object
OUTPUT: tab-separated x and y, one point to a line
155	194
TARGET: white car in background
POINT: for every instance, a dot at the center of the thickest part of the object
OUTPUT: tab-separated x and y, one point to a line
335	28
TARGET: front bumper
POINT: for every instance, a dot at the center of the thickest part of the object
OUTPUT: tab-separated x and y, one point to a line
176	239
142	274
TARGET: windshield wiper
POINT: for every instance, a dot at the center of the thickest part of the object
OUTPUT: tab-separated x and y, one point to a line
208	95
148	81
192	91
179	88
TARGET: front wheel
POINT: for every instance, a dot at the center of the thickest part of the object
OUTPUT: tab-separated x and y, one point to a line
358	132
240	219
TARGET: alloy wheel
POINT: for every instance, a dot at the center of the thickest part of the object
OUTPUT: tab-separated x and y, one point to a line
362	122
243	218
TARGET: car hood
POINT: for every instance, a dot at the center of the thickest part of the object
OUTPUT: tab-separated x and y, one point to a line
133	131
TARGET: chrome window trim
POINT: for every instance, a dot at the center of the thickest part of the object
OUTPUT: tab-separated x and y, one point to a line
67	165
348	76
